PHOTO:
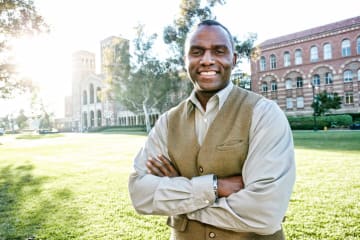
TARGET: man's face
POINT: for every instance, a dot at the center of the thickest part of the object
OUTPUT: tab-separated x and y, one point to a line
209	58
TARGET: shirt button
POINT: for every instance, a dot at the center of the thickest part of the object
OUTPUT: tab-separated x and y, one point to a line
201	169
212	235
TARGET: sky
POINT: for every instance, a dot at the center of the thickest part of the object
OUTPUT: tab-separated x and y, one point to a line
82	24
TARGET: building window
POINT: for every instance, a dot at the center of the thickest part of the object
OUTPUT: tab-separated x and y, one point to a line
272	62
316	80
264	87
286	59
85	120
262	63
299	82
300	102
328	78
358	73
358	45
92	119
273	86
348	76
345	48
98	94
327	51
298	57
92	93
288	84
84	97
349	98
289	103
99	117
314	56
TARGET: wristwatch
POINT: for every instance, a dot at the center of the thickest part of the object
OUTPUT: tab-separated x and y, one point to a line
215	187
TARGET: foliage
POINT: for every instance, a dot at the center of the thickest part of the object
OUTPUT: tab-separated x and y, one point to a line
21	120
330	121
325	102
17	17
59	188
142	82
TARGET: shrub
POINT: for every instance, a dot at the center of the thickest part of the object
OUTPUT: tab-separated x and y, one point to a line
330	121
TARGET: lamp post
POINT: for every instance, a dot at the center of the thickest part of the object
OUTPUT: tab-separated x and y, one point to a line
314	105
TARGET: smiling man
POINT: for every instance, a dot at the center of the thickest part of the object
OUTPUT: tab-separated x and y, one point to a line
221	163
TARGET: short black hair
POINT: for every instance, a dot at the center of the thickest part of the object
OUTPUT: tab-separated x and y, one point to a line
211	22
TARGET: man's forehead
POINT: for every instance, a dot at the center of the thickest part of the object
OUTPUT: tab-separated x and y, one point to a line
210	35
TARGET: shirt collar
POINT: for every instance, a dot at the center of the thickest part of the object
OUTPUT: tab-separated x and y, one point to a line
222	95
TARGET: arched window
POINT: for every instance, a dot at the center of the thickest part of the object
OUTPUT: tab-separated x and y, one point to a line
348	76
288	84
287	59
98	117
327	51
92	118
264	87
272	61
316	80
262	63
358	45
98	94
273	86
84	97
345	48
92	93
298	57
314	55
85	120
328	78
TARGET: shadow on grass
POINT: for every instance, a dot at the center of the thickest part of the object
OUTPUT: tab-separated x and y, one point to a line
26	209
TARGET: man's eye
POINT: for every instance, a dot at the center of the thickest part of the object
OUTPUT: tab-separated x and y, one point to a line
220	51
196	52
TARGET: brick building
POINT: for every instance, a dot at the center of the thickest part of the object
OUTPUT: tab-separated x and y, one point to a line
291	69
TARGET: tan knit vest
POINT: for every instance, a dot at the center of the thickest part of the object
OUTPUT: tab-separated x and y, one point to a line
223	153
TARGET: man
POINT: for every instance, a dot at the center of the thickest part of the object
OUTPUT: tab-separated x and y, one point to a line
221	163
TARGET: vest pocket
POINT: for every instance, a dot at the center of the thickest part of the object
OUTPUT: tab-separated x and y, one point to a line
229	145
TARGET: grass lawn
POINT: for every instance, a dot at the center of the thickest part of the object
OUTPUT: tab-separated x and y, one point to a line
74	186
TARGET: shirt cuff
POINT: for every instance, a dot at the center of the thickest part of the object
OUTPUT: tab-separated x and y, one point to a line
203	190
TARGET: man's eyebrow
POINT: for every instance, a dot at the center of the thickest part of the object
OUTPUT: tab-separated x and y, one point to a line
212	47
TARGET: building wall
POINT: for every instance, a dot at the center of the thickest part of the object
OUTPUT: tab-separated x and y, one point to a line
332	34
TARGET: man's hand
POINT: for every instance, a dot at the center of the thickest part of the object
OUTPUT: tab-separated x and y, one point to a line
229	185
161	167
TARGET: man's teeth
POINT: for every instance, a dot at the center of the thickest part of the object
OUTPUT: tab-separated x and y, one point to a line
208	73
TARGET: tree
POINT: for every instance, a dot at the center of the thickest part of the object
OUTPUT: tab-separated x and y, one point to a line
325	102
17	17
21	120
141	81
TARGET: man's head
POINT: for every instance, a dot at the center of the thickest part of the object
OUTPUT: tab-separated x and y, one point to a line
209	56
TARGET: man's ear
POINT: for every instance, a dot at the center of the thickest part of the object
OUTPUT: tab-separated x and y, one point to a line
235	59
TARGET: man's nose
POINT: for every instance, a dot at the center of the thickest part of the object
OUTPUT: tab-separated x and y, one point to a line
207	58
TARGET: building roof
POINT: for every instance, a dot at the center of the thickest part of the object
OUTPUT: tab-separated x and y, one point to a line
312	31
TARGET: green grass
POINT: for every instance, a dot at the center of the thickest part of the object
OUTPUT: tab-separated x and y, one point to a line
74	186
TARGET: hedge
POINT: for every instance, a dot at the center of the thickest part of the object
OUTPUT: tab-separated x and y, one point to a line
331	121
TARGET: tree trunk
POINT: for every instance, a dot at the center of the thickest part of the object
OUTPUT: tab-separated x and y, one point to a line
147	118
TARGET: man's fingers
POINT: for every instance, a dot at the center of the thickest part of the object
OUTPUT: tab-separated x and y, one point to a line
156	167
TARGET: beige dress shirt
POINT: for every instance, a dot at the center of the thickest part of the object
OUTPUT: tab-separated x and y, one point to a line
268	174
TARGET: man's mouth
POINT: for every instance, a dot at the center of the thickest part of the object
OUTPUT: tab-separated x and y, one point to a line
209	73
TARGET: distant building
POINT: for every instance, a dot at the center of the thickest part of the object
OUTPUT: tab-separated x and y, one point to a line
291	69
90	106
